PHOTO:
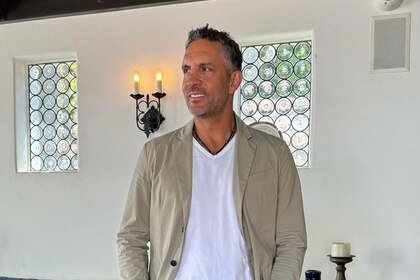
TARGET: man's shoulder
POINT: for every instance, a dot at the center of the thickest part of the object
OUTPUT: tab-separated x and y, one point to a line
169	137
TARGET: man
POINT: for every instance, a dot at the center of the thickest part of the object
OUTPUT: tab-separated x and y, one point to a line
217	200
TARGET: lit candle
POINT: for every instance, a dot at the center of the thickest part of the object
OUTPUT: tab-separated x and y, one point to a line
341	249
159	81
136	82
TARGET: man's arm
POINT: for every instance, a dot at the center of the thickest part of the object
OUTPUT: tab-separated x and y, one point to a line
134	232
291	231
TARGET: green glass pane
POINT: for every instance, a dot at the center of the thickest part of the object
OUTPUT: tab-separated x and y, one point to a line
284	69
249	90
73	100
284	88
302	50
302	68
266	89
284	51
267	71
73	85
301	87
73	69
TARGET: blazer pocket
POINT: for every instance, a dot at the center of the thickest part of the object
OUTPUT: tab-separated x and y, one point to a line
260	177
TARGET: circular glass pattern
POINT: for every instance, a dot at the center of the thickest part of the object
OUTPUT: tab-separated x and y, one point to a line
35	72
73	85
266	89
267	53
249	120
36	102
49	101
284	88
63	70
302	50
35	87
302	68
36	117
249	90
48	86
75	162
48	71
73	100
73	131
301	157
249	107
284	51
73	69
300	140
266	107
50	147
73	116
250	72
301	105
63	162
62	85
49	116
36	148
75	147
63	131
283	123
283	106
266	119
62	101
300	122
250	55
50	163
62	116
36	163
49	132
284	69
36	133
301	87
267	71
63	147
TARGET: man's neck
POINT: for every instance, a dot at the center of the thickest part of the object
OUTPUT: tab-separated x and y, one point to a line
214	133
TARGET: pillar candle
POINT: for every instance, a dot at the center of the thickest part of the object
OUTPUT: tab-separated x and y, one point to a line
159	81
136	82
341	249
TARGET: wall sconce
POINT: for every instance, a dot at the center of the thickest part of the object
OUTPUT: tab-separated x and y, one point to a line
148	116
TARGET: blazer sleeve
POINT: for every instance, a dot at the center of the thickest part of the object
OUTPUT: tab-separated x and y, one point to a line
290	227
133	237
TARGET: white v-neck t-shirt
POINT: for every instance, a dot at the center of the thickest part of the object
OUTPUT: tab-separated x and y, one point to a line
214	247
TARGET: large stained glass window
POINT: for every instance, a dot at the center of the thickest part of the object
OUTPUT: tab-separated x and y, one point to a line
277	89
53	128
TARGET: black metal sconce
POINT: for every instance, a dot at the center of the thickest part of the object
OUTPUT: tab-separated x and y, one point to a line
148	116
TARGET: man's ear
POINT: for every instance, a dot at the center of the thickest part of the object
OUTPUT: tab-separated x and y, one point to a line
235	81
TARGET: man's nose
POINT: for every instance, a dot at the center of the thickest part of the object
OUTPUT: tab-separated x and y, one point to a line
192	78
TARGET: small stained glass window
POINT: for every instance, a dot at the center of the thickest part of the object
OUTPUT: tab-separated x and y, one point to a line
53	130
276	88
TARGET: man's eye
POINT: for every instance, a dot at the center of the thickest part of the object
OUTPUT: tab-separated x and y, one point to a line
185	70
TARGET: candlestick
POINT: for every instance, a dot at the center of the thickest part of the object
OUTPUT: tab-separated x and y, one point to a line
159	81
341	265
136	82
341	249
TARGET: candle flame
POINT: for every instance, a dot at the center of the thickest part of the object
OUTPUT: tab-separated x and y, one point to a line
158	76
136	77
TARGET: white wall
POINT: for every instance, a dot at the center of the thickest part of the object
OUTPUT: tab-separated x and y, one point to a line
363	185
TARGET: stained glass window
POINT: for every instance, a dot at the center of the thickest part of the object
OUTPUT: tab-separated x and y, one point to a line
53	128
277	89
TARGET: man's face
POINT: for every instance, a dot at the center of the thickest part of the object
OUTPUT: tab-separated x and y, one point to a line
207	84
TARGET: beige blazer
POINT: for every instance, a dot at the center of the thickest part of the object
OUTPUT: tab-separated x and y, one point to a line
267	197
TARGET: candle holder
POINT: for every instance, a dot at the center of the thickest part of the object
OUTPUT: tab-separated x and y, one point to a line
148	116
341	265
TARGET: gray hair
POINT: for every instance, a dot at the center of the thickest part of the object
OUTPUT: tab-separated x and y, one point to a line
231	49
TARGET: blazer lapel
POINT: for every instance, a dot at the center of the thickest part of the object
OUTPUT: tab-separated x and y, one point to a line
182	148
245	152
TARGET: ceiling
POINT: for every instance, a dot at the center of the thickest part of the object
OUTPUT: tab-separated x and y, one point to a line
22	10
